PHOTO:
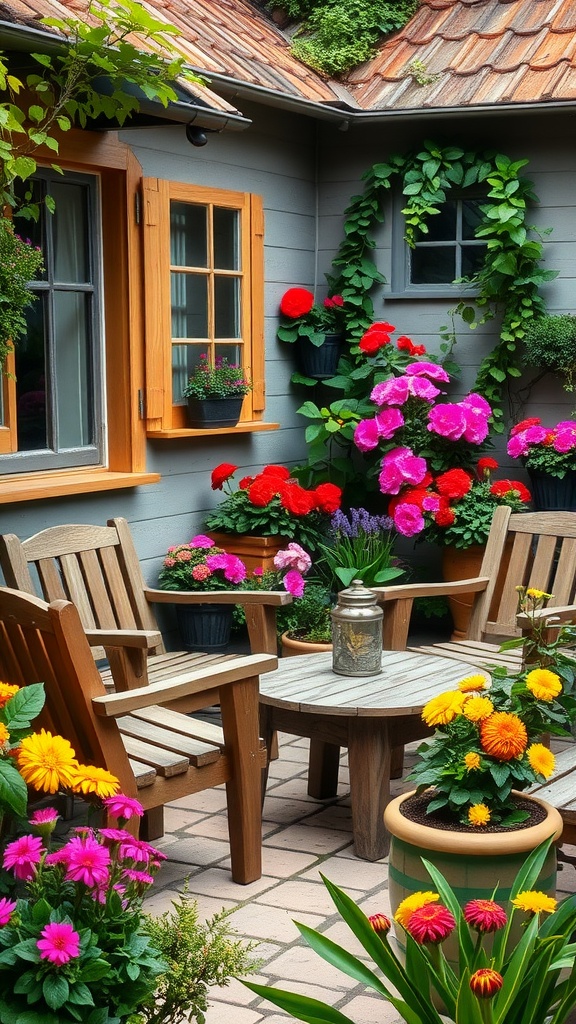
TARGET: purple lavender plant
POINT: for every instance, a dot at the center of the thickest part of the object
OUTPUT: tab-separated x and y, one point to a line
360	546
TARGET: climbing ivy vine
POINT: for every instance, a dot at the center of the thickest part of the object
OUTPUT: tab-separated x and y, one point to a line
510	277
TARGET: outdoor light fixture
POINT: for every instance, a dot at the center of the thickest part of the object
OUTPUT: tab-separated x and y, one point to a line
195	135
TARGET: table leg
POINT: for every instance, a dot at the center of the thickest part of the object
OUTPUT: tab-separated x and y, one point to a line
323	767
369	758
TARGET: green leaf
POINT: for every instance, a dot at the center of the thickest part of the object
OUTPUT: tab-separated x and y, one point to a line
13	790
24	706
55	991
311	1010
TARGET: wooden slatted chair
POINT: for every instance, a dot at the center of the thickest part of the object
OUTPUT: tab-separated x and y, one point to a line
97	568
539	550
42	642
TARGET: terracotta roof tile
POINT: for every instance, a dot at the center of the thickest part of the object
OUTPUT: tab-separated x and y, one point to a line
483	52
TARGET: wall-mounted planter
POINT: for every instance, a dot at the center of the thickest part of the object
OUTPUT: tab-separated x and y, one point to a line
214	412
319	361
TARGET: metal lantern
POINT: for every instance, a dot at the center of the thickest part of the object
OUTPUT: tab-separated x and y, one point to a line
356	632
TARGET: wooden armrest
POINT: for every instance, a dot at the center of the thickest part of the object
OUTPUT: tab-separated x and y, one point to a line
552	616
141	638
183	685
410	591
275	598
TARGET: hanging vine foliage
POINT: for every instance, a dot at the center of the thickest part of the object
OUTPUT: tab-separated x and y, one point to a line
510	277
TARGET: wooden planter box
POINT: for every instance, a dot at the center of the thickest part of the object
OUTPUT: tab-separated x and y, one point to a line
255	552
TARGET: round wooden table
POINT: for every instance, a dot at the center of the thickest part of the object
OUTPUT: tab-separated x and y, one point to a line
370	715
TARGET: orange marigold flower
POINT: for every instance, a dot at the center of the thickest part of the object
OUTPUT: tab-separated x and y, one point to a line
541	759
472	761
477	708
4	734
503	735
443	708
479	815
6	692
412	903
471	683
486	982
543	684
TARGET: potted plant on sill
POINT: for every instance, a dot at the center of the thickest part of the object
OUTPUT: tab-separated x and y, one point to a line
549	456
215	392
317	330
196	566
266	510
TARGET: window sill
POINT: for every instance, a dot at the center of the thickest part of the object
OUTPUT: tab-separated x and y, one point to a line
241	428
457	294
37	486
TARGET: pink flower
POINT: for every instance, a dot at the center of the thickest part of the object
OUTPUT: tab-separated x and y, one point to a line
44	817
57	857
401	466
294	583
388	422
184	556
408	519
565	438
366	435
422	388
125	807
235	570
200	573
22	856
293	557
432	923
140	877
7	908
169	562
484	915
201	541
476	429
88	861
517	446
447	421
258	572
391	392
59	943
428	369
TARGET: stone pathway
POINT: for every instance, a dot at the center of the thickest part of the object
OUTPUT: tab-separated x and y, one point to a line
302	838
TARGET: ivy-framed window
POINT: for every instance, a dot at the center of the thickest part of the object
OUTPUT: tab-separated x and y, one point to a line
204	293
70	418
448	252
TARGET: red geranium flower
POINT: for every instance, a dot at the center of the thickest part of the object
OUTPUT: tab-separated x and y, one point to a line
335	300
500	488
263	489
328	497
455	483
297	500
444	517
245	482
296	302
485	466
277	471
221	474
533	421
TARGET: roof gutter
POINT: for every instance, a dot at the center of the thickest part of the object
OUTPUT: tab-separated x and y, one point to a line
18	38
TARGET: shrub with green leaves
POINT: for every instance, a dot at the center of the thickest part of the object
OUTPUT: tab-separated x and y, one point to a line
550	343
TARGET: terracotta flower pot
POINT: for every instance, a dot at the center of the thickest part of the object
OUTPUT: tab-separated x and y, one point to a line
464	564
291	646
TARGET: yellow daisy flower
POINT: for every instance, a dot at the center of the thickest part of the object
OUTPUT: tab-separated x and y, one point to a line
541	759
477	708
443	708
535	902
90	779
4	734
472	683
46	762
538	595
472	761
6	692
479	814
544	684
412	903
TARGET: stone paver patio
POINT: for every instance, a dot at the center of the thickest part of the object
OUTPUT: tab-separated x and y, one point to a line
302	838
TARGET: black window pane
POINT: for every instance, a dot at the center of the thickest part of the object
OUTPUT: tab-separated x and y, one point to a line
31	382
188	235
472	259
432	264
471	217
442	226
72	368
70	233
226	239
226	307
